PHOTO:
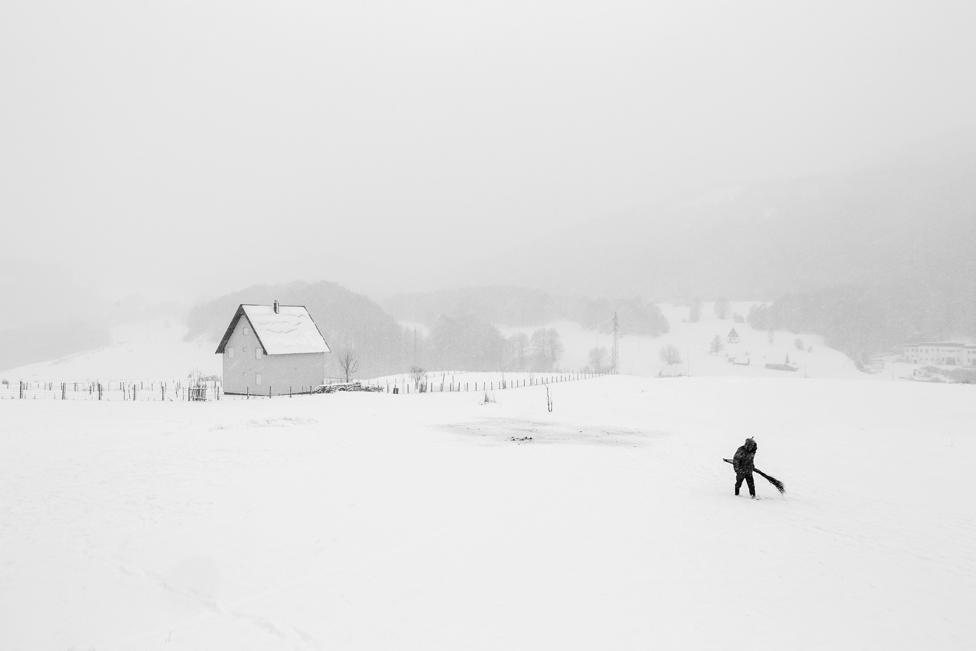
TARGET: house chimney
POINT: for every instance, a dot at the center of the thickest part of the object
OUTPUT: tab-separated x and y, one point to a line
276	306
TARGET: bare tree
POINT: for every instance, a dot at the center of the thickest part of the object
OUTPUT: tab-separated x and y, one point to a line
716	346
419	375
722	308
348	363
546	348
517	351
694	311
670	355
598	359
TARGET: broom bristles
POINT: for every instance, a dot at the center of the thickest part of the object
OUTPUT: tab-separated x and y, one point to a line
772	480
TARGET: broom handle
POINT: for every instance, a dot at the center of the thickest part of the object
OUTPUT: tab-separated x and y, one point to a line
755	470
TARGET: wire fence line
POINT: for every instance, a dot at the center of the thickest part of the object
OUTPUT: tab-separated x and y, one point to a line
211	389
117	390
448	382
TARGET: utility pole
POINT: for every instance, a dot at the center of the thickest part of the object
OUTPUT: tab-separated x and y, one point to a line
615	352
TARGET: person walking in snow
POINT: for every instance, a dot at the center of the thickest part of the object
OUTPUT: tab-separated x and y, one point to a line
742	463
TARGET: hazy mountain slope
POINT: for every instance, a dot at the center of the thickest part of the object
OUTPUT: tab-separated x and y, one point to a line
868	259
45	315
898	220
906	268
145	350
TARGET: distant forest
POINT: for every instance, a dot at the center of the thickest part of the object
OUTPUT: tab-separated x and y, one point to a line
863	321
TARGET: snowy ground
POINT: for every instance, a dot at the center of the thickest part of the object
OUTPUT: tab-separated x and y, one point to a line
373	521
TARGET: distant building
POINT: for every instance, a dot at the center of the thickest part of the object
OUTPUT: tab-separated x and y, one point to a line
274	349
733	337
944	353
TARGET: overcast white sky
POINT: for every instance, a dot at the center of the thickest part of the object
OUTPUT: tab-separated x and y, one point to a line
402	145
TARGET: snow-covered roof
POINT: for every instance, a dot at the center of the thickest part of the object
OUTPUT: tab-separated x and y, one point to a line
288	331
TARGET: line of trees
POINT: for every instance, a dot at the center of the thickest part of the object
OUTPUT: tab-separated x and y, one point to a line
469	343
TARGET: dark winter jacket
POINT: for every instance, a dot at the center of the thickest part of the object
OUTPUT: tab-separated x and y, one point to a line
742	461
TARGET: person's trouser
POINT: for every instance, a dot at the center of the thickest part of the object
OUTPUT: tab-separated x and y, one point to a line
749	480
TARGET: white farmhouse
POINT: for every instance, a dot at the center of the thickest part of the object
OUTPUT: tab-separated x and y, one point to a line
272	350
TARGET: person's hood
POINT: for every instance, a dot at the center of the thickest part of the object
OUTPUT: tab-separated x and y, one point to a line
750	445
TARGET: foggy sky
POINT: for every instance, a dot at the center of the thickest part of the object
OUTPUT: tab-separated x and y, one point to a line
182	149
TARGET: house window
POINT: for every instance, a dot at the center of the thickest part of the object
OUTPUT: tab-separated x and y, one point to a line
247	330
230	352
244	349
257	379
257	353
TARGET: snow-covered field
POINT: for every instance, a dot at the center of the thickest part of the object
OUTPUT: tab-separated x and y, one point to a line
373	521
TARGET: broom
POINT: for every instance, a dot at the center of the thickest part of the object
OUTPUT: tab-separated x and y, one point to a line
772	480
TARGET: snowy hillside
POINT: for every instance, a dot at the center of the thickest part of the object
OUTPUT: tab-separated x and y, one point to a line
373	521
640	355
145	350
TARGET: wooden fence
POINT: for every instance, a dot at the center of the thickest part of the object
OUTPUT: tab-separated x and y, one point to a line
449	383
157	391
207	390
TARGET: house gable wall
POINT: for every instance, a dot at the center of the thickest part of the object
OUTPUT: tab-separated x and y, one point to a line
281	373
